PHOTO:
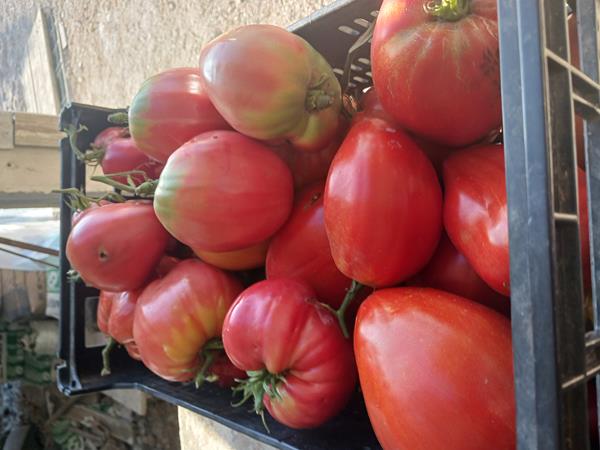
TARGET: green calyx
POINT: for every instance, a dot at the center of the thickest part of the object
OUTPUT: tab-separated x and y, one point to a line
447	10
259	383
210	351
79	201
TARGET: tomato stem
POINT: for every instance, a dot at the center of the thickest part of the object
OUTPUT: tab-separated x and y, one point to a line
78	201
106	356
448	10
341	311
209	352
145	189
119	118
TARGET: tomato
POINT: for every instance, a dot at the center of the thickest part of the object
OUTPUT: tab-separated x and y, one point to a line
435	371
107	135
244	259
435	66
476	215
223	191
115	314
383	205
123	155
450	271
169	109
225	372
300	365
133	351
310	167
300	250
116	247
178	314
270	84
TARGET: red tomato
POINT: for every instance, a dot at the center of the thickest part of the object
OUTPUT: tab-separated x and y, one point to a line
244	259
296	348
225	372
133	351
300	250
270	84
107	135
170	109
176	315
435	66
123	155
383	205
223	191
475	213
115	314
116	247
450	271
436	371
310	167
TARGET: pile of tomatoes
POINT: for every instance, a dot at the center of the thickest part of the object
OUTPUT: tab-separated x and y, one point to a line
382	231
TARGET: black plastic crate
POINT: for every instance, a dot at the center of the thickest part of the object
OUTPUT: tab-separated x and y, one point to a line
554	356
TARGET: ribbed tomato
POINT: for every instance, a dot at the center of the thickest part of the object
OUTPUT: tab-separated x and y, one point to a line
436	371
243	259
178	314
115	314
300	366
271	84
169	109
223	191
116	247
435	66
383	205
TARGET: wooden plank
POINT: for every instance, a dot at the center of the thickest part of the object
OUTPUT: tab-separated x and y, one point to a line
28	246
35	283
119	428
38	77
132	399
7	138
37	130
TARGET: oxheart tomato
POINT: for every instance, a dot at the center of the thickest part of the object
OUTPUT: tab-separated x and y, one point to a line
476	215
435	371
107	135
243	259
383	205
450	271
116	247
170	109
178	314
300	250
309	167
300	366
123	155
435	66
223	191
271	84
115	314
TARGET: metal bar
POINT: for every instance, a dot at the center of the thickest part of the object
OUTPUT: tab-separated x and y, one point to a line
522	72
28	246
39	261
587	20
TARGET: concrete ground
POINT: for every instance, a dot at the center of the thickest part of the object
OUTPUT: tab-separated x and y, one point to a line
111	46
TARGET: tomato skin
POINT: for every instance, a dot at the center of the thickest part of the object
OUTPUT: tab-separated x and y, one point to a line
278	325
133	351
380	180
436	371
120	306
109	134
223	191
169	109
243	259
450	271
309	167
300	250
177	314
438	79
259	77
476	215
116	247
226	372
123	155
